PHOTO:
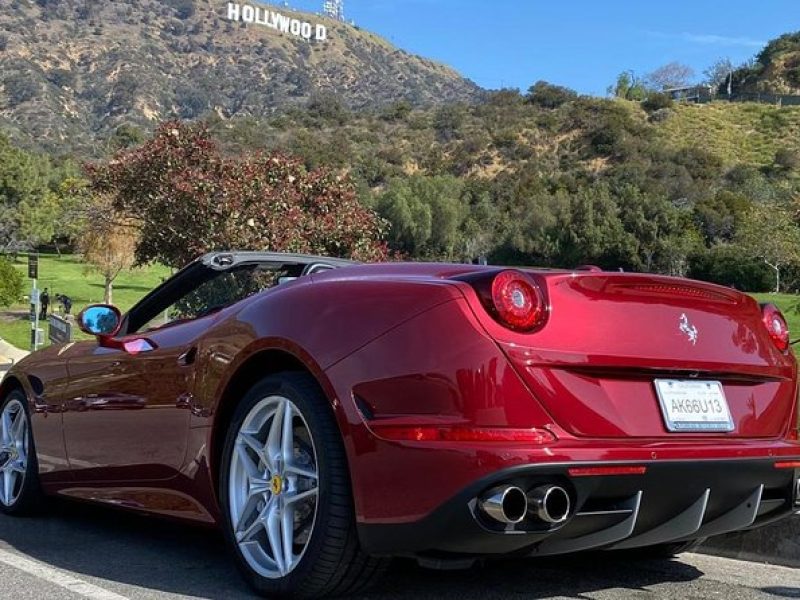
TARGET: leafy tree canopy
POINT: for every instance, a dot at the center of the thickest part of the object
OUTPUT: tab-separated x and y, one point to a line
188	199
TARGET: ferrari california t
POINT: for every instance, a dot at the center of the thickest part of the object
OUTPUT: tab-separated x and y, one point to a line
328	415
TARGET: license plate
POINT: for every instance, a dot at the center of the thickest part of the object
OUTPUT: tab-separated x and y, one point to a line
694	406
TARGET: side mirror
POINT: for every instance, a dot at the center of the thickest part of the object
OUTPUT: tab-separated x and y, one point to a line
102	320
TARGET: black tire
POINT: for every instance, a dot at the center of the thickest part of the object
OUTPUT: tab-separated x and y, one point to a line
30	499
333	562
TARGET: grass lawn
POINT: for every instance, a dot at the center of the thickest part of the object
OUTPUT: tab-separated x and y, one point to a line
68	275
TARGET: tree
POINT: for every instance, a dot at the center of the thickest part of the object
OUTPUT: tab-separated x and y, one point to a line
718	216
187	199
125	136
671	75
108	243
628	87
548	95
769	232
11	284
426	215
37	217
448	120
719	75
24	180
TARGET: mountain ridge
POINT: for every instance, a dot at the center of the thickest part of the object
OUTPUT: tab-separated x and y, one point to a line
71	72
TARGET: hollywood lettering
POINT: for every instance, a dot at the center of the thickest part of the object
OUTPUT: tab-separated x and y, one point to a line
277	21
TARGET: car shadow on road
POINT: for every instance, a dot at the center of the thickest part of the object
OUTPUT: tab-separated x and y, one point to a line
170	557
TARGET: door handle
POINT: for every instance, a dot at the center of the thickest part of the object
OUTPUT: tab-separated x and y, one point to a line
188	357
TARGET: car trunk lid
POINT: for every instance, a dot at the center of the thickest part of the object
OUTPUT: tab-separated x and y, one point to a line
610	336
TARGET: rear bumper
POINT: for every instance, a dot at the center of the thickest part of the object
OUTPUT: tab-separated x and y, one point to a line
671	501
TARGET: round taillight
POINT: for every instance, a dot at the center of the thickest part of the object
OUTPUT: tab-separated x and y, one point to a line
517	300
776	326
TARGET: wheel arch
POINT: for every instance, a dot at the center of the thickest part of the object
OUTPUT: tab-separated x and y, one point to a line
10	383
259	364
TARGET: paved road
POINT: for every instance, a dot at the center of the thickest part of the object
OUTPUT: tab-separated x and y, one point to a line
77	552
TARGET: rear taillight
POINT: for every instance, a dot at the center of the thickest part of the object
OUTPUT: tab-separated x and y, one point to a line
517	301
776	326
511	297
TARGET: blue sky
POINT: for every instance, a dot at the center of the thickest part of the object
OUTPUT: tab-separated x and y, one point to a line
582	44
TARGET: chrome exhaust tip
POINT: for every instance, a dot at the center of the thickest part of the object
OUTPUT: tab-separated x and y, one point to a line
506	504
550	503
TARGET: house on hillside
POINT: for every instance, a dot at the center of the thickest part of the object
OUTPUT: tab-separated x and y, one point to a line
691	93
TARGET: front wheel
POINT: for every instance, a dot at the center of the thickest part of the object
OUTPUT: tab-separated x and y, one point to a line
285	494
19	472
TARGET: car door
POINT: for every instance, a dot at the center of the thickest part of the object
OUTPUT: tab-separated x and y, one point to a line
126	413
126	417
127	410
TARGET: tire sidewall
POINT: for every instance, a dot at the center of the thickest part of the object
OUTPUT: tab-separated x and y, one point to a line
318	417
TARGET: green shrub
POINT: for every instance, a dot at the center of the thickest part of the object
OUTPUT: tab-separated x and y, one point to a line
726	264
657	101
11	284
548	95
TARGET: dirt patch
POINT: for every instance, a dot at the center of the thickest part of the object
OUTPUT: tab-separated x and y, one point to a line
9	316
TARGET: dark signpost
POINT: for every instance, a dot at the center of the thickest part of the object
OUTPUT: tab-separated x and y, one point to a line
33	266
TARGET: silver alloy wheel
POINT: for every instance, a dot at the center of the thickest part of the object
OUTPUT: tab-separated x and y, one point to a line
13	451
273	487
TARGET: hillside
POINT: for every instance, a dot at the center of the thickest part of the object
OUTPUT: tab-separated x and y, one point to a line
776	69
738	133
73	71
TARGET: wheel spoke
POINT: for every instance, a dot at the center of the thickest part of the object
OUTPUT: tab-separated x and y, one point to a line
249	440
273	447
295	498
17	466
247	463
8	486
287	531
257	487
6	427
18	428
245	534
287	435
274	536
301	472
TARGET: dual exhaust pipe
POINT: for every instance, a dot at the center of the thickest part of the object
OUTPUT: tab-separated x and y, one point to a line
510	504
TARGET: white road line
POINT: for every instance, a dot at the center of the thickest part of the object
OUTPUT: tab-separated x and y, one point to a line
58	577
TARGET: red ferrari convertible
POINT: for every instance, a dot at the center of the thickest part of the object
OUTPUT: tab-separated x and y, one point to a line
328	415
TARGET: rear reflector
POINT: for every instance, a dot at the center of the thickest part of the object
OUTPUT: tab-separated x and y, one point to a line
605	471
461	434
788	464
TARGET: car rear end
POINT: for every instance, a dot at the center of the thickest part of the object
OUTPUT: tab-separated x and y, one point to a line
620	411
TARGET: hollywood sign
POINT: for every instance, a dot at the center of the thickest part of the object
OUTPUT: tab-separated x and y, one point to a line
277	21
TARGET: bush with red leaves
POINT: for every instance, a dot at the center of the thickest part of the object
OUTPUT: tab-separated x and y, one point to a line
188	199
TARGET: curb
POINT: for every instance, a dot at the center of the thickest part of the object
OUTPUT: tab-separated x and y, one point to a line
777	544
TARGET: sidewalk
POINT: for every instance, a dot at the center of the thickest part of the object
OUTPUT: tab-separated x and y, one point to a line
8	356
